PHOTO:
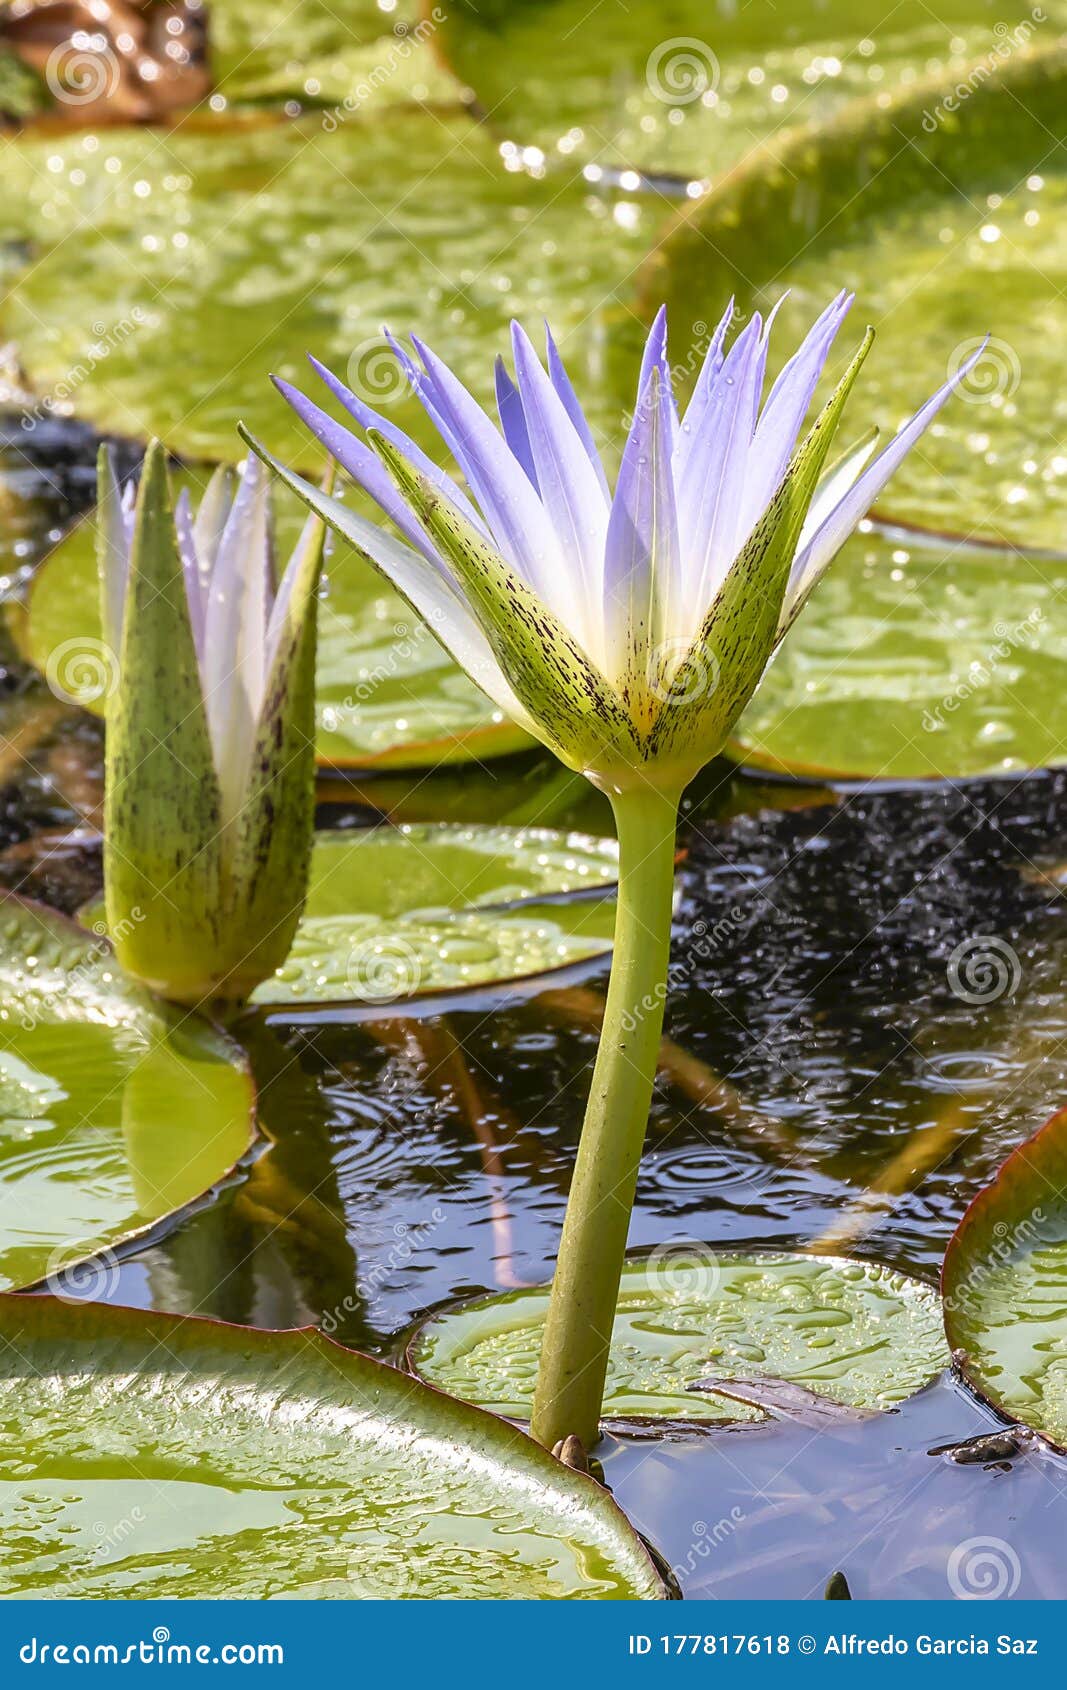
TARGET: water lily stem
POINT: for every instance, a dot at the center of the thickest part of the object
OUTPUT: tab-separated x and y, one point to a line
574	1354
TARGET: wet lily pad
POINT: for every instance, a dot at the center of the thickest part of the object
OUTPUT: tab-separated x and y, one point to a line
687	87
1004	1285
398	912
854	1332
340	1477
388	696
915	662
323	55
945	215
210	255
115	1110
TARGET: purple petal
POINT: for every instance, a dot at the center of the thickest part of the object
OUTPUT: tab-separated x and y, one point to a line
238	606
570	491
513	419
784	413
561	381
655	357
359	461
642	562
832	533
196	579
712	484
367	417
696	410
501	487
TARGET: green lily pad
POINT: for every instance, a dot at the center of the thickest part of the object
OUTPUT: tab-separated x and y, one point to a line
388	696
198	260
687	88
1004	1286
852	1331
227	1461
398	912
115	1110
944	214
915	662
326	54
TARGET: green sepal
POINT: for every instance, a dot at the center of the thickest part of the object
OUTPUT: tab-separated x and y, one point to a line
274	829
162	849
727	659
577	712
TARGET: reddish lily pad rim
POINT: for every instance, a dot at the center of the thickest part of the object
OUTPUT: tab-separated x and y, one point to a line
259	1140
982	1212
179	1333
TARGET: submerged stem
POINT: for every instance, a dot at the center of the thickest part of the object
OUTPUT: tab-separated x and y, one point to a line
585	1289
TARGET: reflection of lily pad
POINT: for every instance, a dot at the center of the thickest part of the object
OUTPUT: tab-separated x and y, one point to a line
258	1464
944	214
687	87
325	54
1004	1285
914	662
388	695
853	1332
115	1110
201	259
397	912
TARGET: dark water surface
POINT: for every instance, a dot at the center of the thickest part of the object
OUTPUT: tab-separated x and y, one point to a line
826	1082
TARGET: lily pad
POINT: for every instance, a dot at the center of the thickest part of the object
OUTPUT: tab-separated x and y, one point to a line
915	662
1004	1286
149	1456
115	1110
944	214
854	1332
324	55
687	87
388	695
397	912
196	261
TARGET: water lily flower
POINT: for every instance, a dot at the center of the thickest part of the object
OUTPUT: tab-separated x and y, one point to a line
625	629
209	790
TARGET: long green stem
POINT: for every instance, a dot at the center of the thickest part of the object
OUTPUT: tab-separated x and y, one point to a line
585	1289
